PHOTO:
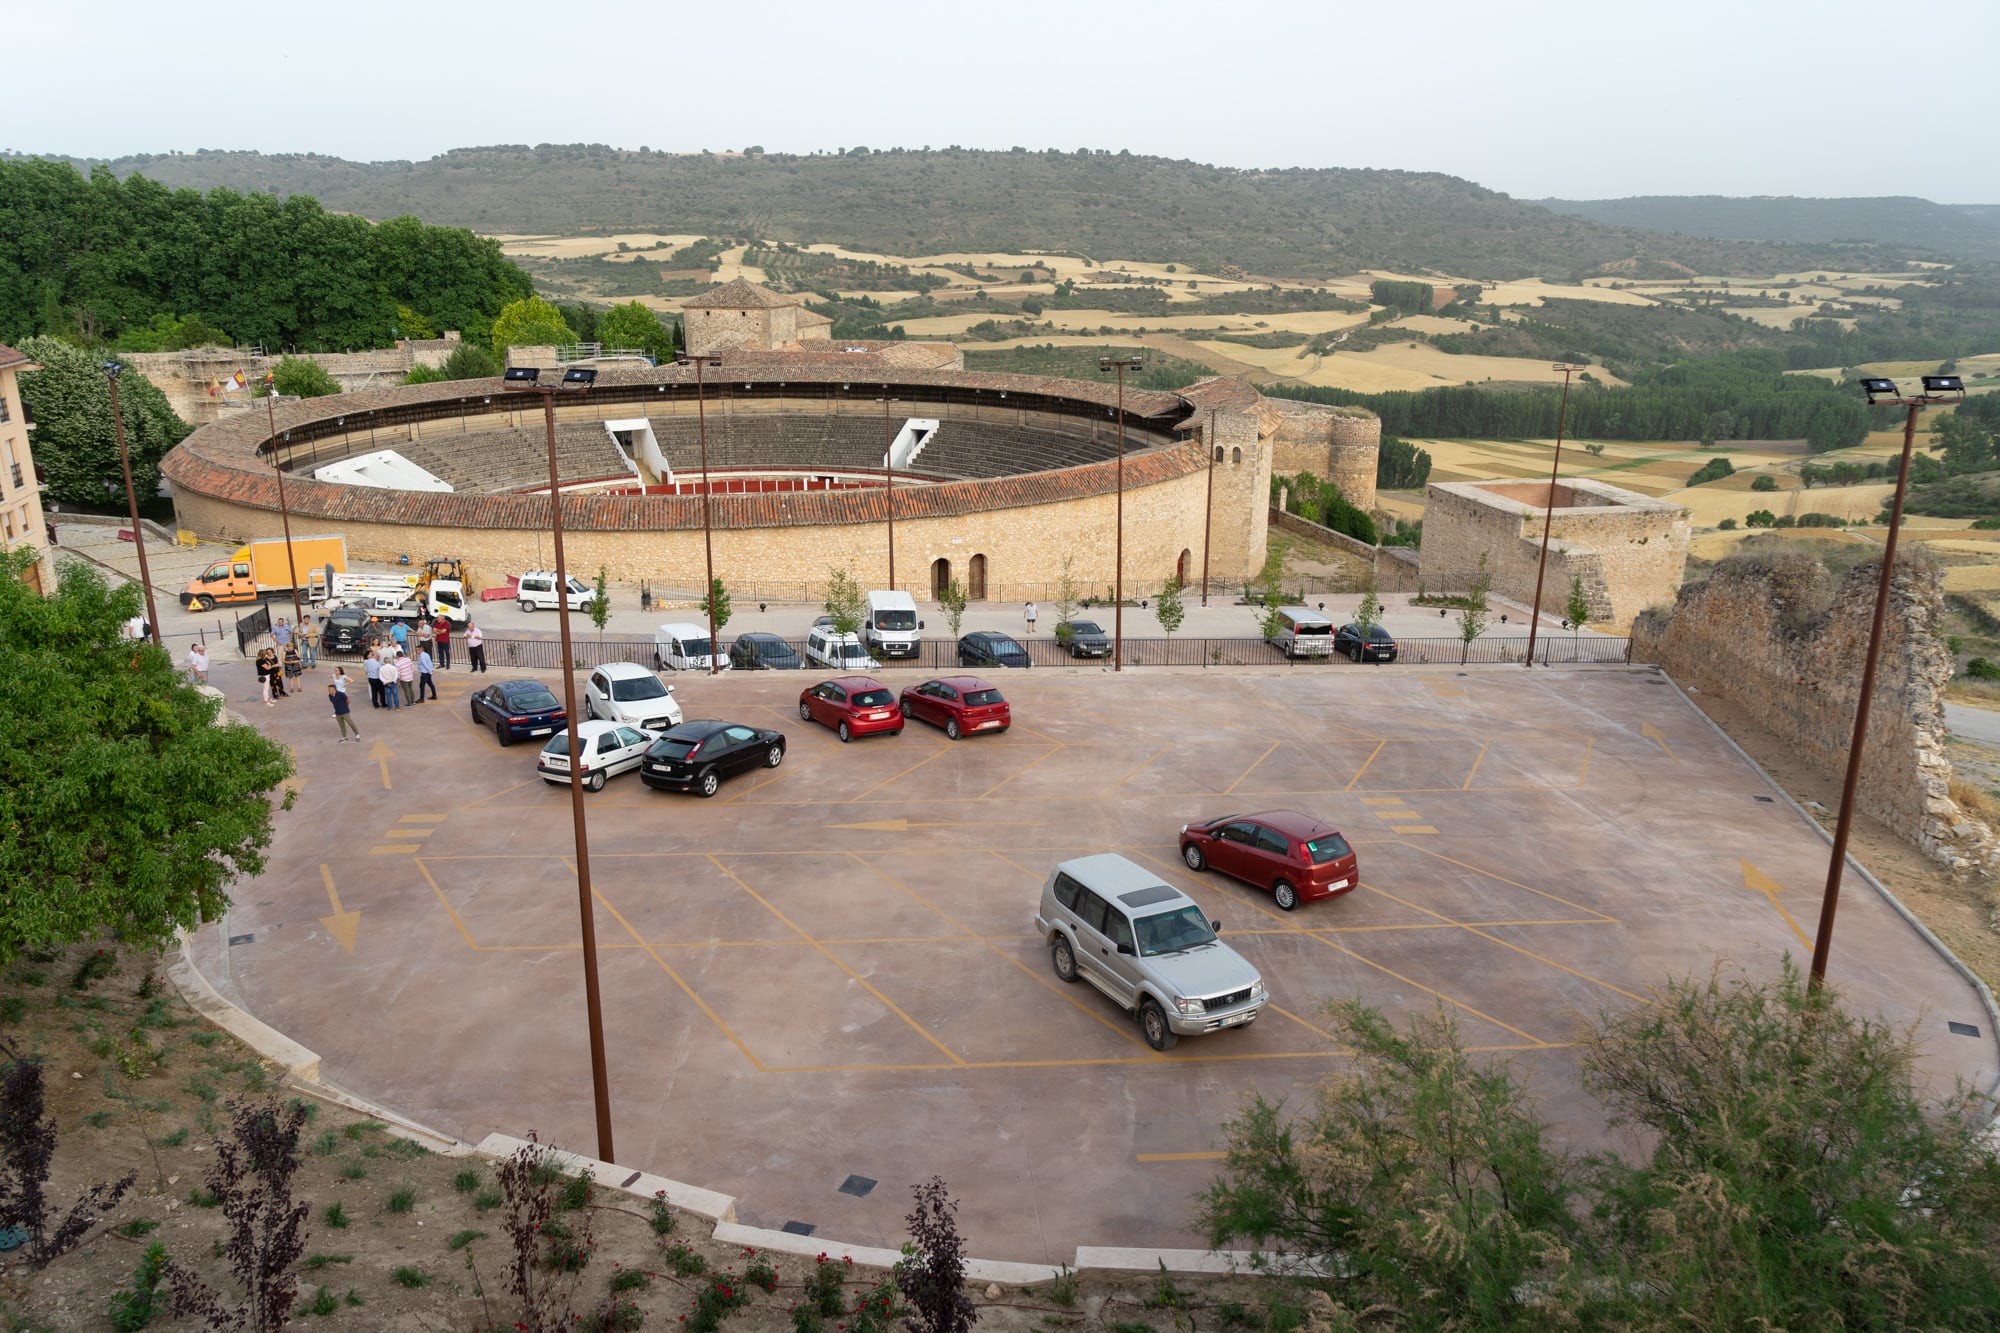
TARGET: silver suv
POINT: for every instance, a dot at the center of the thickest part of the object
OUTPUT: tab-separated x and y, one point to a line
1147	946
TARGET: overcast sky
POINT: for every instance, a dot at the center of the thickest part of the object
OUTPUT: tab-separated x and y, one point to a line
1578	101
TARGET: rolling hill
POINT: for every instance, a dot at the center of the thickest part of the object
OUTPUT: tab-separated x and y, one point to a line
1960	231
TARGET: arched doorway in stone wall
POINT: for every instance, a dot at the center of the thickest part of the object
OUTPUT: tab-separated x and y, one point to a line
940	578
975	579
1181	566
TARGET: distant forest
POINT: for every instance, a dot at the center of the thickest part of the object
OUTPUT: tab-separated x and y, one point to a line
1292	223
1960	231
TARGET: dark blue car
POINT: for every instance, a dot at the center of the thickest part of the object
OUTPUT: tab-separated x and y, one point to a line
518	709
988	648
763	652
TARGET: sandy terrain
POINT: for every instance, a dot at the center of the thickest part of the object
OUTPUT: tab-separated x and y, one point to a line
576	247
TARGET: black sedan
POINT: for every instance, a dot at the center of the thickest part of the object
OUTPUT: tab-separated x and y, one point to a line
763	652
697	756
1084	638
1377	645
346	630
986	648
517	709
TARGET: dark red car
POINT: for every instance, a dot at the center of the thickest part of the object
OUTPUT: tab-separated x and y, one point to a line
852	706
1298	858
962	705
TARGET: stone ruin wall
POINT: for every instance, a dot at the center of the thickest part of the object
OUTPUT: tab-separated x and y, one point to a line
184	377
1338	444
1756	636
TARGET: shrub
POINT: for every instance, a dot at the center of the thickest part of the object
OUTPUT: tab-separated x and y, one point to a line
265	1229
27	1146
1727	524
134	1309
1980	668
1715	469
1764	482
1759	518
827	1287
932	1274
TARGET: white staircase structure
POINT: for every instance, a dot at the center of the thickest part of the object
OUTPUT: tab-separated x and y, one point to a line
909	442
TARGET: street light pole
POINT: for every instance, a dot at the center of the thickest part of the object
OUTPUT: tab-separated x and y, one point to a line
527	379
1121	365
284	513
707	539
111	369
1208	506
1937	389
1548	513
889	470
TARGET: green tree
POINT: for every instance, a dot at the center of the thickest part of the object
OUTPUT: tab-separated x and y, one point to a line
1760	518
953	602
1577	612
410	324
717	602
600	601
632	325
116	836
1400	465
1069	593
471	361
75	442
1168	608
1369	613
302	377
1472	615
1715	469
531	322
843	601
422	374
1764	482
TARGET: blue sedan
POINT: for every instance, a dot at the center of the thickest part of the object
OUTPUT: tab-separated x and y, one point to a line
518	709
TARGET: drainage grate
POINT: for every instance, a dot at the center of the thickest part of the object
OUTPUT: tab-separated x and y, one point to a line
858	1186
1963	1029
797	1228
626	1183
1765	800
235	940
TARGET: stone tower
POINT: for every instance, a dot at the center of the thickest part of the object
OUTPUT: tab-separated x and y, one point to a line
1236	424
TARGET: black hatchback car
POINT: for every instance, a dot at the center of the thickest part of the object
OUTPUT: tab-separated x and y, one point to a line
990	649
1084	638
517	709
1378	645
763	652
346	629
697	756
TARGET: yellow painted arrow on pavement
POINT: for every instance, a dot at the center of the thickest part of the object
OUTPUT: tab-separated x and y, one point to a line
1756	881
382	754
1659	738
343	926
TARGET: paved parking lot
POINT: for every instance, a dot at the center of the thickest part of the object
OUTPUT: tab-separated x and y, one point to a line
823	985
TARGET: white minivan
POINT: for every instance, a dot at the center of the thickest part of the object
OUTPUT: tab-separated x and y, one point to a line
892	625
1302	633
828	647
684	647
537	589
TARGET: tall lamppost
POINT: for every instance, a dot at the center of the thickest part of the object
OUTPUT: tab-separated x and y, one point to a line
1548	512
1208	505
1937	389
707	539
526	379
111	369
889	471
1121	364
284	513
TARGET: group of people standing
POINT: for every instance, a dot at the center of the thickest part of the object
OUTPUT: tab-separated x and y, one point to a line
280	664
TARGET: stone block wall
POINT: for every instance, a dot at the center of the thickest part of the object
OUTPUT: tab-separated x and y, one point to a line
1339	444
1629	549
711	331
1786	644
1242	495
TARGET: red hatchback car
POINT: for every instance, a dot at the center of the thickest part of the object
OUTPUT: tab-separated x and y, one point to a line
962	705
1298	858
852	706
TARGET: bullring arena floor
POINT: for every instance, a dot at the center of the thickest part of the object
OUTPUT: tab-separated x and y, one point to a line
823	985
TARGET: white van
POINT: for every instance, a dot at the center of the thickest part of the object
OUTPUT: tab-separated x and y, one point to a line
828	647
892	624
684	647
1302	633
537	589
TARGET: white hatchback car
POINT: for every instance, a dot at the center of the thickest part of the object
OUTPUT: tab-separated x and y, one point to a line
609	748
627	692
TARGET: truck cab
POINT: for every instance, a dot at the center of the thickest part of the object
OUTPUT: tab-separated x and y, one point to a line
891	625
223	581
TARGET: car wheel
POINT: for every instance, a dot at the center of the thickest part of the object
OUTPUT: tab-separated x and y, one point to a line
1159	1034
527	605
475	716
951	728
199	604
844	734
589	709
805	713
1063	958
709	783
593	781
501	734
774	756
1192	855
1287	896
905	706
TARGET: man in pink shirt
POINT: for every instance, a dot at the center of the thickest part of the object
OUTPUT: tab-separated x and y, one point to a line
406	677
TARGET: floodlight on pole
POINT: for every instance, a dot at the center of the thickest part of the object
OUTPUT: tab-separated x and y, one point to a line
707	537
1548	513
111	371
527	379
1208	504
1121	364
1884	393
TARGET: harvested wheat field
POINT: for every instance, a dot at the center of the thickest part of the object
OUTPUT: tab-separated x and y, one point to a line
580	247
1399	366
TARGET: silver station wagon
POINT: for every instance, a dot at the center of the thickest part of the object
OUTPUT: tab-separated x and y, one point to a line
1148	946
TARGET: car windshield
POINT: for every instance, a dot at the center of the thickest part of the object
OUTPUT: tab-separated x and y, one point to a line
1329	847
531	701
874	699
895	620
639	687
977	697
1171	932
775	649
1085	627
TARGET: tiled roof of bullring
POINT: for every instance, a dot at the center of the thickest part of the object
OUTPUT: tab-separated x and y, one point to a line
220	460
740	295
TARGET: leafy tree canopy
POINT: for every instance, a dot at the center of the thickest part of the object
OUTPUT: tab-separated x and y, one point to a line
300	377
471	361
75	442
530	322
152	810
634	325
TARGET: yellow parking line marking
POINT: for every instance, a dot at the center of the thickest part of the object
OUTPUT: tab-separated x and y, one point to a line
1059	745
1149	759
1514	884
450	911
894	777
1583	775
1404	813
408	832
1231	788
1415	828
1180	1156
1525	953
423	819
1381	800
1483	747
395	848
681	981
1364	765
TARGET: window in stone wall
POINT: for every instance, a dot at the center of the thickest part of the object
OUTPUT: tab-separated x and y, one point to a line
6	413
1218	453
1236	455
